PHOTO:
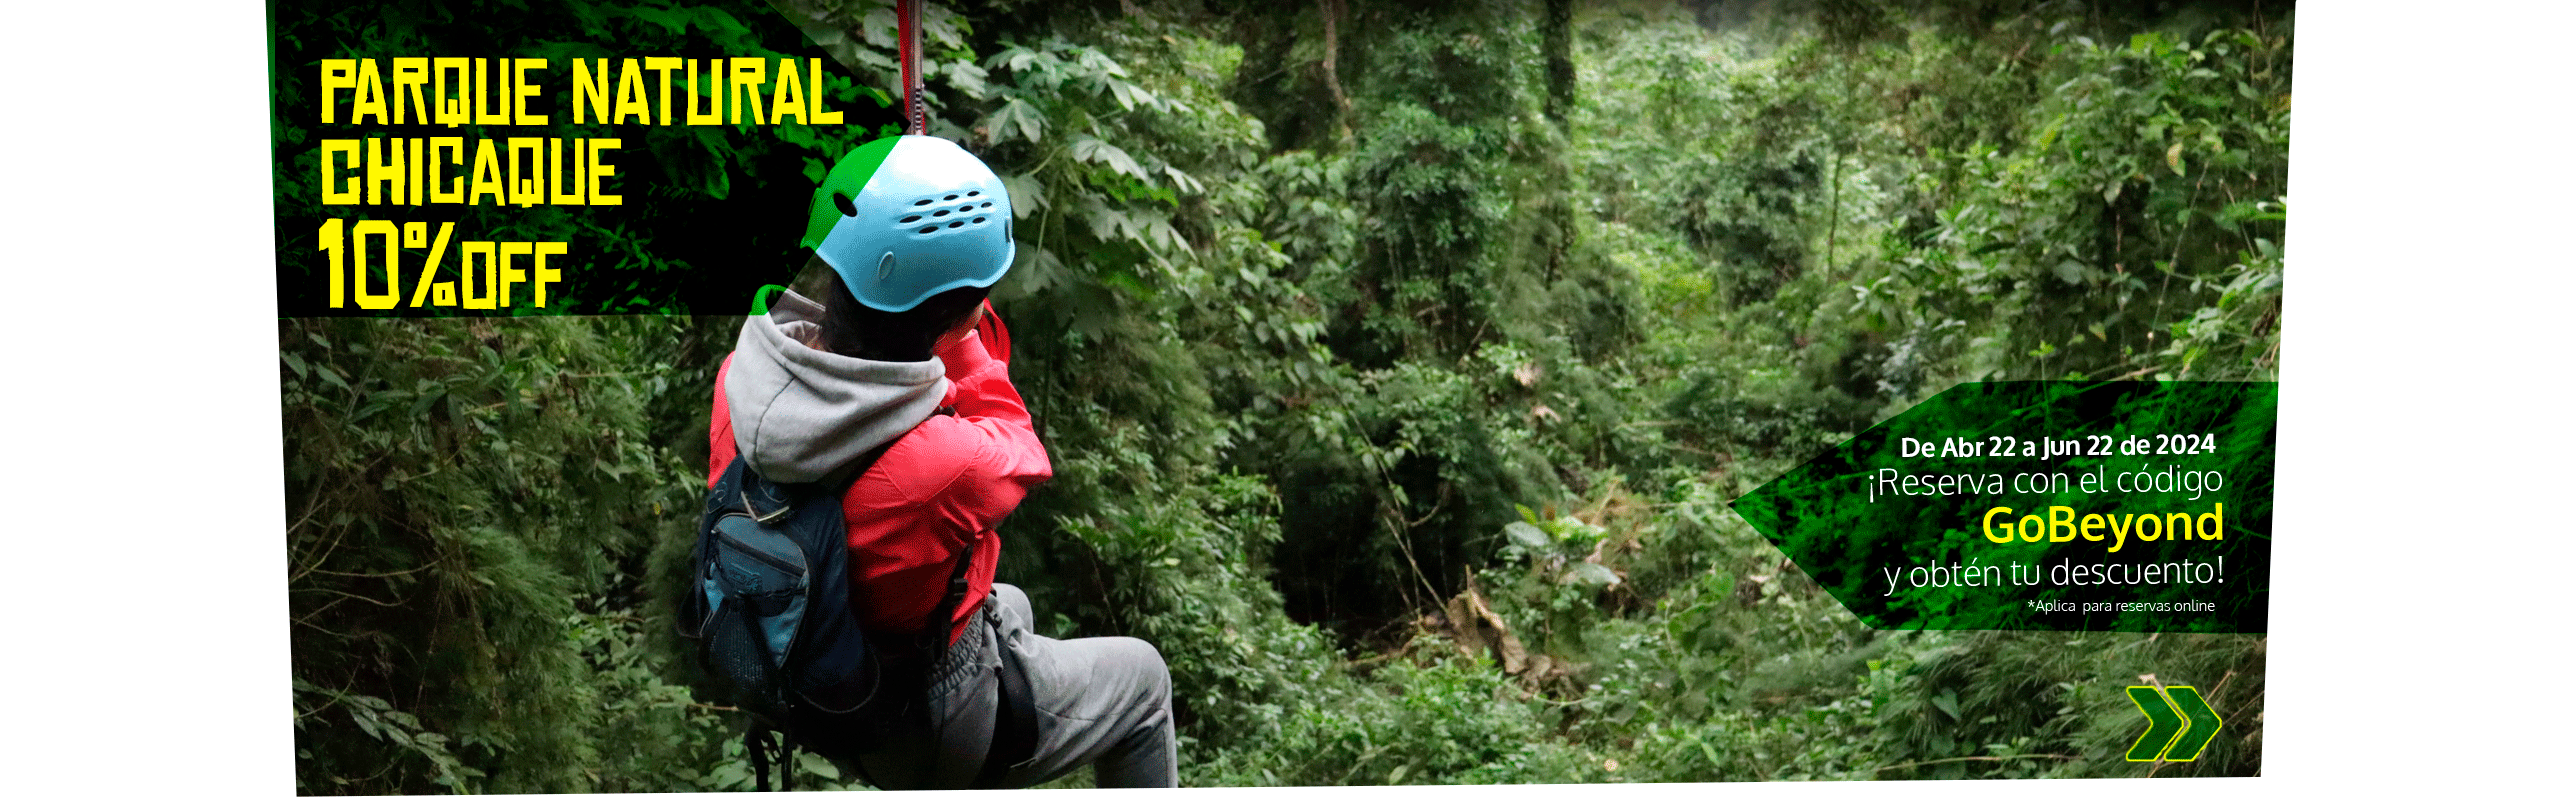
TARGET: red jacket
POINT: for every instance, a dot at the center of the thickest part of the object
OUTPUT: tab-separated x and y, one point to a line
947	482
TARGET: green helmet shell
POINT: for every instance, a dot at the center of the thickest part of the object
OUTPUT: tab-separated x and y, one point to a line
909	217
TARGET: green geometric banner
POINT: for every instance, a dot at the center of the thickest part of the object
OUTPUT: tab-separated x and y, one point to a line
2043	505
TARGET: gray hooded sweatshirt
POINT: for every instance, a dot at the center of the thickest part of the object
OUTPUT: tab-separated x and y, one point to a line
800	412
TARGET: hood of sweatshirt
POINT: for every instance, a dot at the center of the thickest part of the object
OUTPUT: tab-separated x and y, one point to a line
800	412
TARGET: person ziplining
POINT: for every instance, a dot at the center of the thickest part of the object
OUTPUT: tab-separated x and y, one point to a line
863	451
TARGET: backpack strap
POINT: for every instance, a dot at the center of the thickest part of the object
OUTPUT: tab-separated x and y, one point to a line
762	752
841	478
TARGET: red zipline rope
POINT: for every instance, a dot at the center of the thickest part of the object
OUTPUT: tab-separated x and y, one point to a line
910	83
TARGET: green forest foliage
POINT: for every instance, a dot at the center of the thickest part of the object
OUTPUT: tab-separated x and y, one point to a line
1397	364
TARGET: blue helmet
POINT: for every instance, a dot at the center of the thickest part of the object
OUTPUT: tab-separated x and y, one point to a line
906	218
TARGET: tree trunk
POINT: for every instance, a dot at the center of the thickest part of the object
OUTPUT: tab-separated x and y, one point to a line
1556	33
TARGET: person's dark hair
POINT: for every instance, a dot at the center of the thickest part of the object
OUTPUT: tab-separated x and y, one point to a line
853	329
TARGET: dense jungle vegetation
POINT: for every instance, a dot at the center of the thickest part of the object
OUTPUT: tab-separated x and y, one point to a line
1397	362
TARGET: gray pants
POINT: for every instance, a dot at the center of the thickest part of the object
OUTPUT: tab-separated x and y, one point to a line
1105	701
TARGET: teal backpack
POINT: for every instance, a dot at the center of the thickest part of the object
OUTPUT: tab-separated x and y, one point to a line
770	606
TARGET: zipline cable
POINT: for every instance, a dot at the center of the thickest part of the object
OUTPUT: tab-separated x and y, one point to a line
910	79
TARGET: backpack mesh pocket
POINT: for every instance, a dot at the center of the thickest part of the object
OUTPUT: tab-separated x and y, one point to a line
759	579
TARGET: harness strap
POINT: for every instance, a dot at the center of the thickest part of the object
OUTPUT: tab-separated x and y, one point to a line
954	591
788	762
1017	733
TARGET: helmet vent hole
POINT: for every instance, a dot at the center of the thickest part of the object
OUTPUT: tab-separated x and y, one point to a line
950	197
944	212
980	220
973	193
844	204
955	224
924	201
910	218
930	229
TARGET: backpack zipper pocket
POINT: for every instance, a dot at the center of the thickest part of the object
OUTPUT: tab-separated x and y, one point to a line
773	579
794	567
